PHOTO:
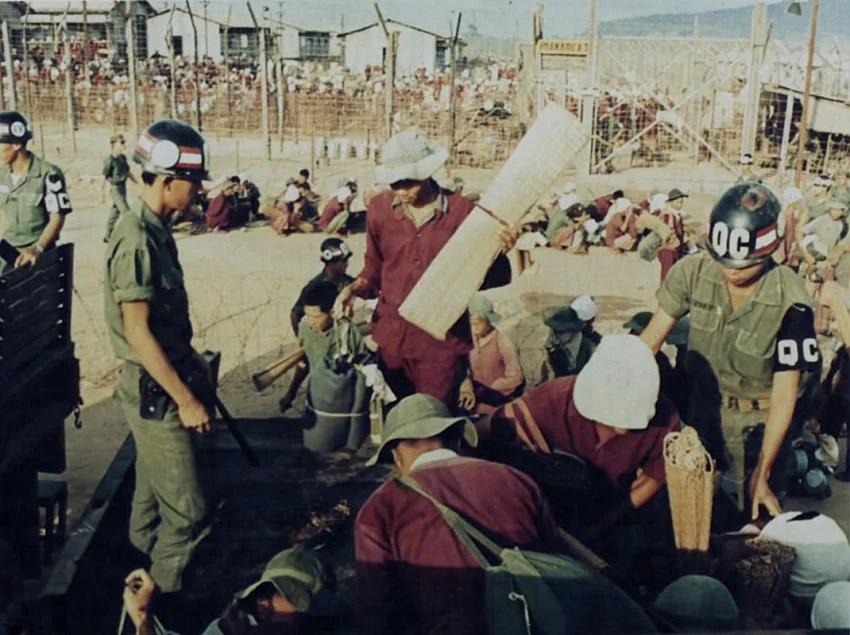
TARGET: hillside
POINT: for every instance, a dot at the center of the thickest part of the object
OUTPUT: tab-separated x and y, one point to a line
833	21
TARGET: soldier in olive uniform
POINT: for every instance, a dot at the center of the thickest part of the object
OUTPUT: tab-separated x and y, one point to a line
147	315
751	336
116	171
32	192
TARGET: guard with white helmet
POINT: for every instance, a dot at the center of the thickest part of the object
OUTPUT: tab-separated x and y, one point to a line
33	194
751	337
163	386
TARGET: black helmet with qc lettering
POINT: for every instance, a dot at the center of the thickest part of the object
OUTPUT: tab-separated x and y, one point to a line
745	226
173	148
14	127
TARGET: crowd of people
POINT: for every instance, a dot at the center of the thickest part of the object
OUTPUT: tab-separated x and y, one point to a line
498	494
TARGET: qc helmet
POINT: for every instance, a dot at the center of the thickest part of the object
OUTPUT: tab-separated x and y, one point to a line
14	127
173	148
745	226
334	250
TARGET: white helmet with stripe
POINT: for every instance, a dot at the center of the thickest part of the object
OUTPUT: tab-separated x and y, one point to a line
173	148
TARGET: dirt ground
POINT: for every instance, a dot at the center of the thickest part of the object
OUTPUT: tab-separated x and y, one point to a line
242	284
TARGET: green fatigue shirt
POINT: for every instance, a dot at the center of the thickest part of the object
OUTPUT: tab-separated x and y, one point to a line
745	347
559	220
142	266
39	192
817	206
116	170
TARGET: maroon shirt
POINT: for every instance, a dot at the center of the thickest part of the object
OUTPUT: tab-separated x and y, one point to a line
397	254
333	208
551	405
413	574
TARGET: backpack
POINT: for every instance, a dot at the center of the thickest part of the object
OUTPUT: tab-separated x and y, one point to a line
540	593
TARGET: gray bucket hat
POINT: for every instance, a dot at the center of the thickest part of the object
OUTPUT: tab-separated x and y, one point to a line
302	578
564	319
482	307
419	417
409	155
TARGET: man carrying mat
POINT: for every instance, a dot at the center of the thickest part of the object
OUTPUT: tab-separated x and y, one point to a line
406	227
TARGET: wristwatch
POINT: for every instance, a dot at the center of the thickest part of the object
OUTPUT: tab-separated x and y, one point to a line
38	247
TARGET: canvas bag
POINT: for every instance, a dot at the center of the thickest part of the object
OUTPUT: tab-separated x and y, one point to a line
539	593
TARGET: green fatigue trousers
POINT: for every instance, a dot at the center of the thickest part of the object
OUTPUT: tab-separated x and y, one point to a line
737	427
167	520
119	206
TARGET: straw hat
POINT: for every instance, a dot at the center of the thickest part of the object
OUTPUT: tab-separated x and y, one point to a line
482	307
409	155
419	417
619	385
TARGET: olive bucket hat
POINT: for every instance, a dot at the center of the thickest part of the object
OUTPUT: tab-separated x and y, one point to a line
419	417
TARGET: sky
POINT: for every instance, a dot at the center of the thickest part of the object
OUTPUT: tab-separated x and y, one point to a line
499	18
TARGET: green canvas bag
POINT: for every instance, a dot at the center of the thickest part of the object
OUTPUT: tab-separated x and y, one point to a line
540	593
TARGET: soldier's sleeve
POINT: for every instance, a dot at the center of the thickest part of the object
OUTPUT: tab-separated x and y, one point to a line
796	343
131	275
56	200
674	295
107	167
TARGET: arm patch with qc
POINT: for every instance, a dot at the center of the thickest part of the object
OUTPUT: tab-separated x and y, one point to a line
796	344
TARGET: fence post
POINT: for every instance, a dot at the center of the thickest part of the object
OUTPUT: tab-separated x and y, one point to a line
453	94
198	122
281	87
392	52
25	54
172	65
69	92
264	82
7	55
131	70
227	69
757	50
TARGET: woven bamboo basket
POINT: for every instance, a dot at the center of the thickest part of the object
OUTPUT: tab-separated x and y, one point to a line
690	484
456	274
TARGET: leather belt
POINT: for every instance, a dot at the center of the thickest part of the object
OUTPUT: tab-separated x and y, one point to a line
744	405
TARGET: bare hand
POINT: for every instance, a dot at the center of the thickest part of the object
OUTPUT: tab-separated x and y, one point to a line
194	416
344	306
466	399
508	238
27	257
138	592
762	495
832	294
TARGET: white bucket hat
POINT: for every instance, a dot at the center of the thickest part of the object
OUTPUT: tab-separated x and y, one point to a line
619	385
291	194
658	202
481	306
792	195
566	201
569	188
823	553
409	155
586	309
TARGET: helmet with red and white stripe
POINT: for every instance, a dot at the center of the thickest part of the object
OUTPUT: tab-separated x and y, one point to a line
173	148
14	127
745	226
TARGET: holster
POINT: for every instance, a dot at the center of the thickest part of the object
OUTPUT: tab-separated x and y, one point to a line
154	401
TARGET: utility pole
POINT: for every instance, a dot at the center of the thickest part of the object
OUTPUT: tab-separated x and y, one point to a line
804	124
757	49
131	69
586	157
264	81
198	122
389	71
281	86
